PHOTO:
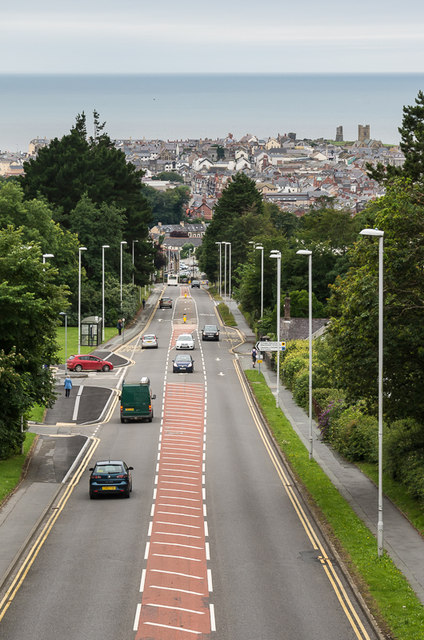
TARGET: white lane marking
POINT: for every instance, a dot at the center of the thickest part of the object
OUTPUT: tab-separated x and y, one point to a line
178	524
212	616
167	606
168	626
194	593
152	510
149	533
177	544
210	587
137	617
165	555
146	553
164	504
143	580
206	529
208	555
184	515
182	535
77	402
176	573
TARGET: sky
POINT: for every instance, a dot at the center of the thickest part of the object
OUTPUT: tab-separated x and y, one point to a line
166	36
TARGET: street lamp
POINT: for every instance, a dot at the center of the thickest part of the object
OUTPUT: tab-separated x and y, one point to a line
380	235
229	268
277	255
120	268
220	267
47	255
79	295
104	246
260	248
306	252
225	268
133	242
62	313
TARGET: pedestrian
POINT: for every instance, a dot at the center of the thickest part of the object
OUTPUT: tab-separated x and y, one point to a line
119	326
254	355
143	302
68	386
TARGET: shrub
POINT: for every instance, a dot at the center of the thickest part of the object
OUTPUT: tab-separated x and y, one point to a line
301	389
355	434
328	405
404	455
291	366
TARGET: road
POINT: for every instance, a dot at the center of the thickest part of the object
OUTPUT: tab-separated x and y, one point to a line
214	542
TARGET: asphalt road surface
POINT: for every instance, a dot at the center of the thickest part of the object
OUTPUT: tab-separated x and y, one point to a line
214	541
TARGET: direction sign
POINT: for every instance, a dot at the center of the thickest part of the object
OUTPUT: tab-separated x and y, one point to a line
271	346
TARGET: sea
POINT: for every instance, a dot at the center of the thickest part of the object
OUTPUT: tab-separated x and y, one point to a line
181	106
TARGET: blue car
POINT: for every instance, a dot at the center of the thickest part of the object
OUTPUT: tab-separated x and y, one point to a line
110	477
183	363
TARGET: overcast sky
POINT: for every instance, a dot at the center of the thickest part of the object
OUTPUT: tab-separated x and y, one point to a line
141	36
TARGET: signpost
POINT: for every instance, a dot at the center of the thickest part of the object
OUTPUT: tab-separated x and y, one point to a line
271	346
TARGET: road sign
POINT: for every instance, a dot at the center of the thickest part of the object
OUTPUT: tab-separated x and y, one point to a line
271	346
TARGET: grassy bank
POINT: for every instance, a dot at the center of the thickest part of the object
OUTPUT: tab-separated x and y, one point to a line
385	589
226	315
72	341
11	469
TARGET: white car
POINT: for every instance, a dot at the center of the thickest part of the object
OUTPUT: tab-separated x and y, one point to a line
185	341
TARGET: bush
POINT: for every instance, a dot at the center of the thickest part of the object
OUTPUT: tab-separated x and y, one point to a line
291	366
355	434
404	455
328	405
301	389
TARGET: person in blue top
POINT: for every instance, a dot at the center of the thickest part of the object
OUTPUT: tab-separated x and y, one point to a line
68	386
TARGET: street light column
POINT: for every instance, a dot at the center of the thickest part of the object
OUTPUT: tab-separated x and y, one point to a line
225	269
261	249
380	527
104	246
220	267
308	253
133	242
277	255
79	295
120	270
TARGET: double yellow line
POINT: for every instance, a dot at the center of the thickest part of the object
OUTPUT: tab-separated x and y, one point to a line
339	590
40	540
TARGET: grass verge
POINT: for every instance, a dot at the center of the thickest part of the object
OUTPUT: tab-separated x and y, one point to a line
226	315
386	591
11	469
72	341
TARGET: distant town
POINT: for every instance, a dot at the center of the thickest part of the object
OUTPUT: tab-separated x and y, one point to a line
294	174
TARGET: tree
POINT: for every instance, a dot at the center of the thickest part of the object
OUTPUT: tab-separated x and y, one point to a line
75	165
171	176
168	207
412	145
237	218
30	302
353	334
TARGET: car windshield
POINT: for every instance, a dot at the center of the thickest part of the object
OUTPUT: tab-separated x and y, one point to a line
182	358
210	327
109	468
185	337
149	337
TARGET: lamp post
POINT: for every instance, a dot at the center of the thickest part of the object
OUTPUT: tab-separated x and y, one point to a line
79	295
229	267
220	267
260	248
225	268
104	246
47	255
277	255
120	269
62	313
380	530
306	252
133	242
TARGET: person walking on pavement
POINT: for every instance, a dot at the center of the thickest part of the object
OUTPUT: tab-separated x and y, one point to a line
119	326
68	386
254	356
143	302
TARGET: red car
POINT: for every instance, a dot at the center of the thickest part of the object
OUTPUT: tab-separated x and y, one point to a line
88	363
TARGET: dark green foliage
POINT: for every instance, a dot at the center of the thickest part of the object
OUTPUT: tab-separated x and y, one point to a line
168	207
404	455
74	166
354	434
299	305
171	176
30	302
412	145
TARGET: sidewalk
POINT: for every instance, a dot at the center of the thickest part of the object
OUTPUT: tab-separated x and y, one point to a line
401	541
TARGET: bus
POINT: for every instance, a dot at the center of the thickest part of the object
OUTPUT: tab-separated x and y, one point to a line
172	280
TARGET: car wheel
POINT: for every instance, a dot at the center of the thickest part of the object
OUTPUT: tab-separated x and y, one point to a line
150	419
106	367
127	493
78	368
92	495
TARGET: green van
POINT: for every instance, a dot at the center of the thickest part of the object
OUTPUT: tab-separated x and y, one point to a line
136	401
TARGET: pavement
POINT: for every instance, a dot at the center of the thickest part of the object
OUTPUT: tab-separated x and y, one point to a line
55	453
401	540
